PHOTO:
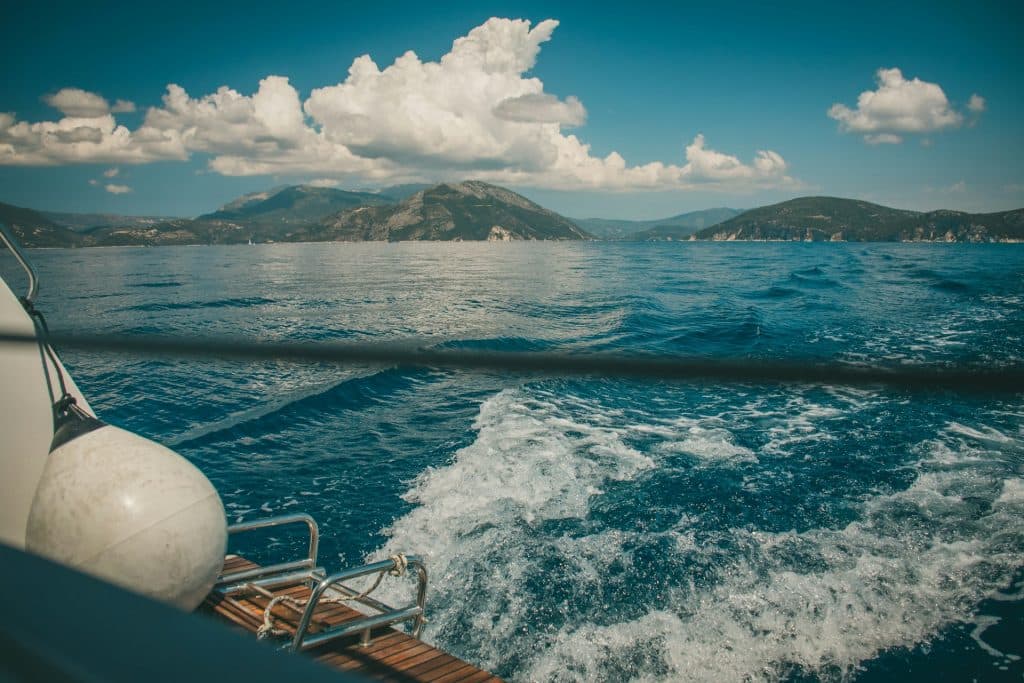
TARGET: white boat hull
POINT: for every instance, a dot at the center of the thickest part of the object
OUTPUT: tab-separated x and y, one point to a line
26	419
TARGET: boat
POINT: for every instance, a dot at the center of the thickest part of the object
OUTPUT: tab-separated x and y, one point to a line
81	495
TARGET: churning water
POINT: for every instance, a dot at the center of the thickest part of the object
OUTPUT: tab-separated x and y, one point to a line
596	529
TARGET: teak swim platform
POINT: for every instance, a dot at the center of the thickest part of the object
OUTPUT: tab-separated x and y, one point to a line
308	610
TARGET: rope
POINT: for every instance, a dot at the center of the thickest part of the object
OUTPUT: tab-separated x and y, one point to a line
269	627
992	379
401	564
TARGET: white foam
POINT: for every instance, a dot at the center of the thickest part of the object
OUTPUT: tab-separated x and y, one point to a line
980	433
882	587
981	624
1013	492
474	519
708	444
489	524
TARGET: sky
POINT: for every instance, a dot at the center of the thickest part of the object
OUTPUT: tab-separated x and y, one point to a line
626	111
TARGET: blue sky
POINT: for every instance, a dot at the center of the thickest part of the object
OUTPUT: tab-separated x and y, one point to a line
756	82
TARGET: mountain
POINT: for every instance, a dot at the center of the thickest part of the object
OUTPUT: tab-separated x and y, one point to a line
292	205
33	229
672	228
84	222
270	216
471	210
401	192
851	220
684	225
177	231
475	210
249	199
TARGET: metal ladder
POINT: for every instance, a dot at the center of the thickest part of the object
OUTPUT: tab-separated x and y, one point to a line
320	583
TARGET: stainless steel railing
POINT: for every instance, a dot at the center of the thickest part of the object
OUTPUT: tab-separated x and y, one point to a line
309	563
321	584
7	237
389	615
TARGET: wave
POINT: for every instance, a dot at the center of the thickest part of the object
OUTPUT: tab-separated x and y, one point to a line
774	292
532	581
157	285
815	281
948	285
240	302
354	392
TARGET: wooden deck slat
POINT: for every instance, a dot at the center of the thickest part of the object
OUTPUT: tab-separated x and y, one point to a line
375	648
401	655
451	671
384	642
478	676
403	648
423	660
391	655
358	656
428	662
437	668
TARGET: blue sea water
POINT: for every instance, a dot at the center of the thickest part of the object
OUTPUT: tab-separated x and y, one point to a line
599	529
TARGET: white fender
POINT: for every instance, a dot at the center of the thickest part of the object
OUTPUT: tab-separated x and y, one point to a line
108	502
126	509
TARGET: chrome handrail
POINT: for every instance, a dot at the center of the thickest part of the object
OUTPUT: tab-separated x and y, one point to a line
11	241
281	520
306	571
414	612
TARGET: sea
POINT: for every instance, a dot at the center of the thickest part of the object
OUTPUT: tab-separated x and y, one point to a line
593	528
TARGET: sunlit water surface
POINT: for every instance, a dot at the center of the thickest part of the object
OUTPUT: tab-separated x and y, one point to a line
595	529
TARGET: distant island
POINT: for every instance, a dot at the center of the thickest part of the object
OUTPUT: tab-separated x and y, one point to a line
478	211
819	219
673	228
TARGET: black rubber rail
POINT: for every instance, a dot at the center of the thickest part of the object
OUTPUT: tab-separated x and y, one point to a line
1009	379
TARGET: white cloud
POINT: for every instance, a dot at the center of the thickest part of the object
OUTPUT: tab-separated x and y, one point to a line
883	139
958	187
123	107
78	103
473	113
93	181
542	108
977	103
117	189
324	182
111	172
83	140
899	106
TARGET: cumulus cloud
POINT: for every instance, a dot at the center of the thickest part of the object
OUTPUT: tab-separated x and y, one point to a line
324	182
111	172
117	189
123	107
886	139
475	112
542	108
976	104
76	139
898	106
78	103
